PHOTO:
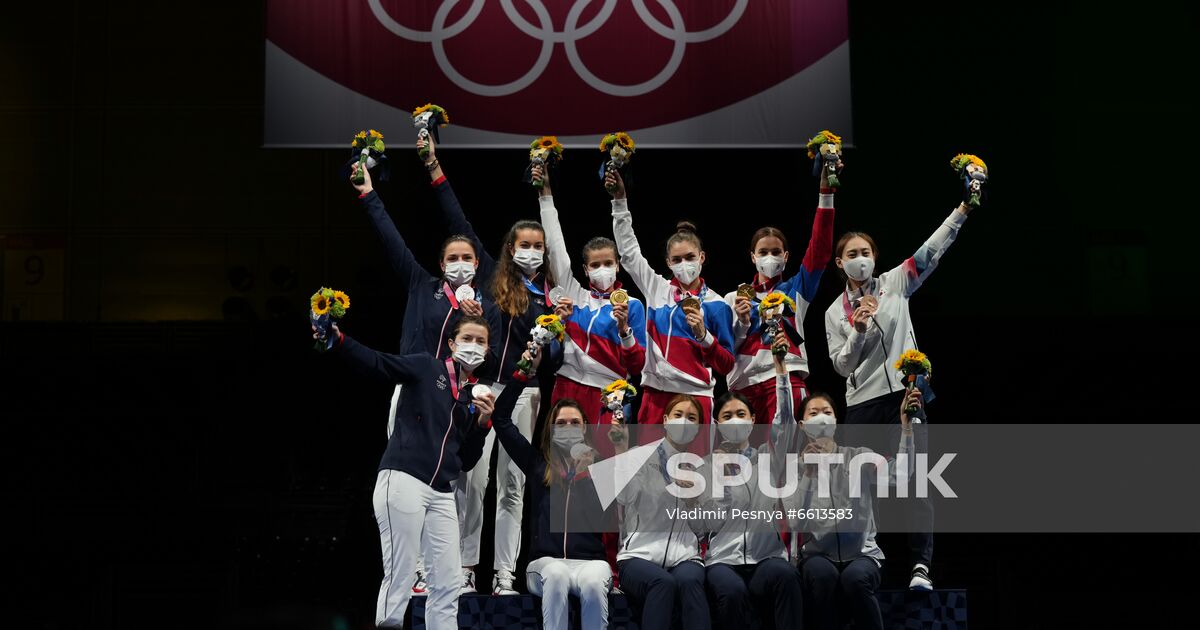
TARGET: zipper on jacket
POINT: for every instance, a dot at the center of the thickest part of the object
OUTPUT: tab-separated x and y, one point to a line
567	517
504	353
445	438
438	354
588	345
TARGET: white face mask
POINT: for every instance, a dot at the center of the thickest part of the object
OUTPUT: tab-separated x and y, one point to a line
820	426
735	430
602	277
769	266
459	273
687	271
528	259
566	436
469	355
680	430
860	268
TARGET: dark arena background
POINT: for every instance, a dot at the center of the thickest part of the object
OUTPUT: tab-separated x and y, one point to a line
176	455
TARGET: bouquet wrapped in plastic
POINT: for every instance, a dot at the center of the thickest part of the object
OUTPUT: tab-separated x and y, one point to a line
427	119
367	151
327	307
545	152
547	329
974	175
825	150
913	363
620	147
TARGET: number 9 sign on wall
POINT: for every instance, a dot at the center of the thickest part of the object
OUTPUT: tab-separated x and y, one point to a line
673	73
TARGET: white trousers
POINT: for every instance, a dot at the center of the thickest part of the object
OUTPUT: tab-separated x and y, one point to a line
414	518
391	426
553	579
510	491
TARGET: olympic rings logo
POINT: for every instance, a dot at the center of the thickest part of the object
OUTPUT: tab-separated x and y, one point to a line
572	32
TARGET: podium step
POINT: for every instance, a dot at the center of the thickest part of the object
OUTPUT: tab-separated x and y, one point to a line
944	609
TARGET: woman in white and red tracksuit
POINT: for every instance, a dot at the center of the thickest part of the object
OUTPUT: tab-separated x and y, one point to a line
519	284
683	346
753	374
568	555
439	433
869	327
607	341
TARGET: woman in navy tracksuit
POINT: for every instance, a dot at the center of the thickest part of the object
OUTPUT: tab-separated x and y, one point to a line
438	434
519	283
569	556
433	307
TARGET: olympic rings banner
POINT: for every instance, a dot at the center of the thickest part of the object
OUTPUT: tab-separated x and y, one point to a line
703	73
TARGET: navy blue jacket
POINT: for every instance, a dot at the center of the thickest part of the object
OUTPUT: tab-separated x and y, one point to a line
436	435
429	315
570	518
514	331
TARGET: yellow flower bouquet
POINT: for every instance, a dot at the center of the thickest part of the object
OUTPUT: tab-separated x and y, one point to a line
974	174
427	119
620	147
827	146
546	152
546	329
326	307
367	148
913	363
615	396
771	309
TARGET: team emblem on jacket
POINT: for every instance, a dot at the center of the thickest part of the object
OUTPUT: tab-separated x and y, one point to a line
441	382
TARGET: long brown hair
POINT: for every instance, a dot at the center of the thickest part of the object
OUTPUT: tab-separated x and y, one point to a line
554	467
508	289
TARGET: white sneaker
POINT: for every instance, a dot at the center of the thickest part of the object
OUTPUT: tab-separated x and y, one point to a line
421	586
502	584
920	579
468	586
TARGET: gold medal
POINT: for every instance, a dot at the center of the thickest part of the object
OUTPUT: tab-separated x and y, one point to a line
689	302
746	291
620	296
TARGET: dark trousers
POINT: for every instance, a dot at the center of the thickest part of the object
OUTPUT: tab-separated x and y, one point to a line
666	597
913	514
849	588
769	590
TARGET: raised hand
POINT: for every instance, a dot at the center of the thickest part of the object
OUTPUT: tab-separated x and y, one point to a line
914	399
365	187
614	182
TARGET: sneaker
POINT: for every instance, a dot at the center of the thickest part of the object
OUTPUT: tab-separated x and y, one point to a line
421	586
502	584
920	579
468	586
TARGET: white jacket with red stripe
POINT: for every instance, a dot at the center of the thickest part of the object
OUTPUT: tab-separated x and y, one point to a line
867	359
